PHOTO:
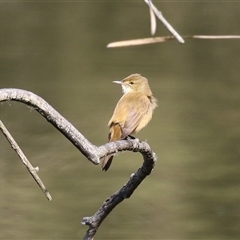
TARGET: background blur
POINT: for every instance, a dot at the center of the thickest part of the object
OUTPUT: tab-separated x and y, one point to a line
58	51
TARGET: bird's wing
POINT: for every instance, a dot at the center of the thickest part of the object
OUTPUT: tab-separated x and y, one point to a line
132	121
135	114
129	113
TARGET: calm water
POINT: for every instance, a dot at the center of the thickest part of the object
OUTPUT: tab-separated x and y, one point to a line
58	51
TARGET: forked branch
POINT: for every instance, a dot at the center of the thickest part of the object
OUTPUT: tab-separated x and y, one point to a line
155	12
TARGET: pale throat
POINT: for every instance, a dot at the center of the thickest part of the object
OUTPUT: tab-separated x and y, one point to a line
126	89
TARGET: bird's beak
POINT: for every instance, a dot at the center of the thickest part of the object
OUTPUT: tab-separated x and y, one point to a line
118	82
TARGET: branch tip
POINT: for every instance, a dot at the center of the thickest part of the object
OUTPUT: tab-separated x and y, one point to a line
28	165
85	221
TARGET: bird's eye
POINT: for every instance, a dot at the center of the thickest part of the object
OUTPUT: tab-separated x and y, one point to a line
131	83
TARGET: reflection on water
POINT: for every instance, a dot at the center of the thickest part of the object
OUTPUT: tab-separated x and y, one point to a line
57	50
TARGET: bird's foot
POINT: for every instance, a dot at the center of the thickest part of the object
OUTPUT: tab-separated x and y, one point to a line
129	137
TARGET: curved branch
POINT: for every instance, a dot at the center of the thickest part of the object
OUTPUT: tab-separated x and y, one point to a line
90	151
125	192
57	120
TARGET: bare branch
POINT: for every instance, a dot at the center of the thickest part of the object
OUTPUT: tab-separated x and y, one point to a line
136	42
66	128
33	171
143	41
92	152
125	192
214	37
164	21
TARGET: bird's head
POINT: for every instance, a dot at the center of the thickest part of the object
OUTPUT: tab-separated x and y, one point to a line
135	83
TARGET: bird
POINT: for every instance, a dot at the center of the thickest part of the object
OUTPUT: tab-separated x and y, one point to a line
132	113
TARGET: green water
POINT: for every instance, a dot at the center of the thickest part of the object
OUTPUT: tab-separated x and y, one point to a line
58	51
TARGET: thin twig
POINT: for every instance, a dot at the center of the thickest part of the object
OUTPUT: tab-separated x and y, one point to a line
143	41
153	22
214	37
28	165
164	21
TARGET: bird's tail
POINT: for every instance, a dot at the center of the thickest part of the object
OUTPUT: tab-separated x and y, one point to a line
114	135
106	163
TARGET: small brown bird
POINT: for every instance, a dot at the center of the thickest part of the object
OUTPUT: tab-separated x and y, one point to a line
132	113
